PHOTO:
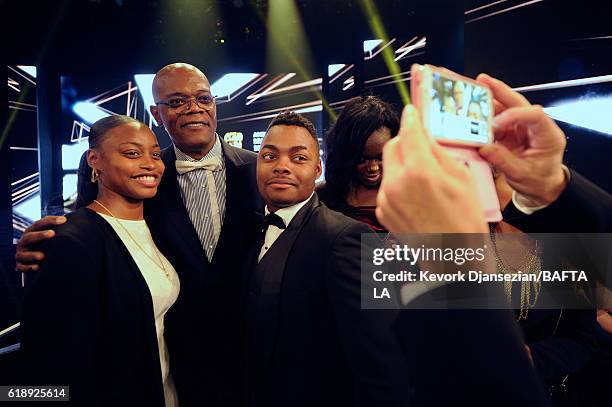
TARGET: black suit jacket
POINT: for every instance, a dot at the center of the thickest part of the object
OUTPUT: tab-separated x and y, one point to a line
88	319
562	341
466	357
205	328
309	341
581	207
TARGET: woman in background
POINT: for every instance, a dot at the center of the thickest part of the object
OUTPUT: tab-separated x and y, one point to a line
93	316
559	341
353	163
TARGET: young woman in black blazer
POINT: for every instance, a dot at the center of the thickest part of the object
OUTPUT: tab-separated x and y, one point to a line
93	316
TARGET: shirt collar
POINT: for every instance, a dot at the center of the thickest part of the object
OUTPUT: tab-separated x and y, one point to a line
288	213
215	151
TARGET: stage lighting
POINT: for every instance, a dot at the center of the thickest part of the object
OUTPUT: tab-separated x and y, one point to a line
375	22
588	112
145	88
30	208
89	112
334	69
30	70
224	87
369	45
288	48
71	154
288	45
69	186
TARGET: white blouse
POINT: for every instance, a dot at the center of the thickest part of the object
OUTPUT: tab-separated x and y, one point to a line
164	289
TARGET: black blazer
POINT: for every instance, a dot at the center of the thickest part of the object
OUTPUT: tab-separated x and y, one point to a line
88	319
466	357
563	342
309	343
581	207
205	328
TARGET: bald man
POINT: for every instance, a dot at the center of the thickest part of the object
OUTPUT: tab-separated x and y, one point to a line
201	218
201	213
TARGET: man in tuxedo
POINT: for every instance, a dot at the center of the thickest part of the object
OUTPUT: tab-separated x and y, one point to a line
201	216
309	342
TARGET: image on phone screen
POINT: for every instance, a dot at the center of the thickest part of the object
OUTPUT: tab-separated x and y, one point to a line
459	110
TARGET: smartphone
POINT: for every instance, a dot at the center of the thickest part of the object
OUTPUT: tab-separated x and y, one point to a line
458	113
455	110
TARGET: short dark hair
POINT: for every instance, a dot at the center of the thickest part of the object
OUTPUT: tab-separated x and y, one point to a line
289	118
99	129
345	141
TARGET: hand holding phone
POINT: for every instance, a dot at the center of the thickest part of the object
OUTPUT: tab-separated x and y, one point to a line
458	113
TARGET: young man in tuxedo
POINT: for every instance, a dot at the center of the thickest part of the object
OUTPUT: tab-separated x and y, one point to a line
308	340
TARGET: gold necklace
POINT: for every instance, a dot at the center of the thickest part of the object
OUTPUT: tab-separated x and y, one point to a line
532	264
161	263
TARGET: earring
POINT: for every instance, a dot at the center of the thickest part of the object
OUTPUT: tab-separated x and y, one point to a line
94	175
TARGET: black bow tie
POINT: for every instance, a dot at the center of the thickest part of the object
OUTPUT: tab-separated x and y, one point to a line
273	219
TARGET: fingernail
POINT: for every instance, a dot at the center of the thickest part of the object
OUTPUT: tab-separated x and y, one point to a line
61	219
39	257
50	233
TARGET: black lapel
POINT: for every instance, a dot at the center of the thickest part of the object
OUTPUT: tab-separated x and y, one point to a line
249	263
143	292
241	200
169	221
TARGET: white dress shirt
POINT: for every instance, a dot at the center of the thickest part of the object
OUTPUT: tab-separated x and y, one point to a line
526	205
203	194
273	232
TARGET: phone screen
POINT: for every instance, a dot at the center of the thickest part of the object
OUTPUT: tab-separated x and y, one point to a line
458	110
